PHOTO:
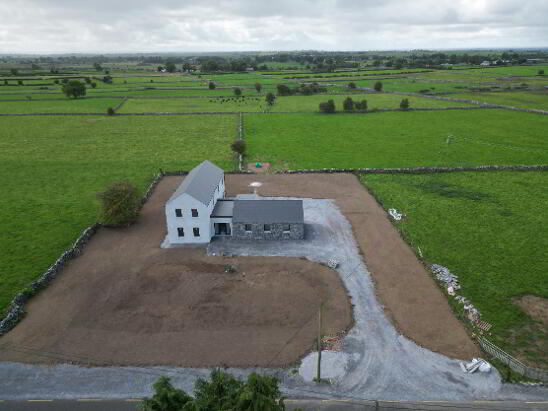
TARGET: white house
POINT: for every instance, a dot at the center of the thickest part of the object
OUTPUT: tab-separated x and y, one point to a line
198	211
189	209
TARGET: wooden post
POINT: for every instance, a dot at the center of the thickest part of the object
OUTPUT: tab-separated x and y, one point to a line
318	375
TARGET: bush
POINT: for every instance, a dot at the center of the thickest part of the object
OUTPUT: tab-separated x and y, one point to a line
237	92
283	90
258	87
541	72
352	85
88	80
238	147
110	111
119	204
74	89
107	79
20	82
378	86
165	398
404	104
348	104
211	85
56	81
93	84
360	105
270	98
327	107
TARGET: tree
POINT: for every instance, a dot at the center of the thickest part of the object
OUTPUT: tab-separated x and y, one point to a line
211	85
110	111
378	86
6	83
258	87
352	85
221	392
361	105
238	147
270	98
14	72
541	72
283	90
97	67
119	204
170	67
74	89
93	84
166	397
328	107
20	82
348	104
107	79
237	92
404	104
87	80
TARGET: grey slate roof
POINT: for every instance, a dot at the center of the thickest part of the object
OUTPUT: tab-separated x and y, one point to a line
268	211
200	183
223	208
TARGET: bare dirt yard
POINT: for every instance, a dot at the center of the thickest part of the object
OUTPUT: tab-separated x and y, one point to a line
126	301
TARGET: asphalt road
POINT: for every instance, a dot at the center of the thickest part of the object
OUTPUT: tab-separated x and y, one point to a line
291	404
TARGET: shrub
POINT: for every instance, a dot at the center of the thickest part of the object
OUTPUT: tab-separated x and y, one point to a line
541	72
270	98
352	85
258	87
119	204
238	147
404	104
6	83
107	79
327	107
166	397
20	82
211	85
237	92
93	84
348	104
65	81
56	81
110	111
360	105
88	80
283	90
378	86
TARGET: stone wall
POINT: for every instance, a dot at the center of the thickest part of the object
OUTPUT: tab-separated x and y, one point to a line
276	232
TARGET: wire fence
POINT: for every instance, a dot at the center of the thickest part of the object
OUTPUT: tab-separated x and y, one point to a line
513	363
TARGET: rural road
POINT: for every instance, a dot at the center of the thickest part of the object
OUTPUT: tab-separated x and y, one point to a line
376	362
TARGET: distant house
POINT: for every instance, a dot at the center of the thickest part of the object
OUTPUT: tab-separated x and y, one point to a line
198	211
485	63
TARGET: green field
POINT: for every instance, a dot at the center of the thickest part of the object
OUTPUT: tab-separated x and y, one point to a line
282	104
52	167
397	139
521	99
490	230
81	105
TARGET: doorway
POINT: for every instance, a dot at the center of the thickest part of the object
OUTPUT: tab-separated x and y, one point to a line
222	228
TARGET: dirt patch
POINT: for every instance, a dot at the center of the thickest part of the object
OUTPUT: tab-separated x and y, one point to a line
535	307
126	301
263	169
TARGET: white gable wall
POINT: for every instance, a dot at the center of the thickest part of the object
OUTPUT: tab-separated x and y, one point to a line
186	203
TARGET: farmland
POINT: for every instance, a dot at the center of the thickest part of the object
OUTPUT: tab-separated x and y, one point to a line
487	228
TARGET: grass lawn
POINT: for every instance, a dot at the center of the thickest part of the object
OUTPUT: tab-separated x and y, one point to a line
490	230
52	167
81	105
397	139
522	99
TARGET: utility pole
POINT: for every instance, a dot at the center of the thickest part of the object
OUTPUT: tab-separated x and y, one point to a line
318	375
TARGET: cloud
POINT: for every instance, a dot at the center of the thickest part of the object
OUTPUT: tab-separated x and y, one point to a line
43	26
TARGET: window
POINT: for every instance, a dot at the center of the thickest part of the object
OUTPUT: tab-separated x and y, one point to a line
287	228
181	231
196	231
178	212
194	212
248	227
267	228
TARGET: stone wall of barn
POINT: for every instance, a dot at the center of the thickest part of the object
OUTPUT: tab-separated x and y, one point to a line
296	231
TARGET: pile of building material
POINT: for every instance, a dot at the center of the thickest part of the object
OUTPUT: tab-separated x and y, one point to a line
332	263
475	365
332	342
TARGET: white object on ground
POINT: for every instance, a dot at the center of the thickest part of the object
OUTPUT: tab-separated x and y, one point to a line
394	214
450	291
332	263
333	365
476	364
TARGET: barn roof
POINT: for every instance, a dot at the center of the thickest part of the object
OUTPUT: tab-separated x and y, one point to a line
268	211
200	183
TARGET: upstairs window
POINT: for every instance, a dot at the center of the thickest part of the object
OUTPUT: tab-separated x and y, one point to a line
194	212
178	212
196	231
181	231
266	228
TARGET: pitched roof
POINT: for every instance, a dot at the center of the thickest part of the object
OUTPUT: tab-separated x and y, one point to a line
268	211
200	183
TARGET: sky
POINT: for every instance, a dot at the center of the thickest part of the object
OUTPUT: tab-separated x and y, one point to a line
127	26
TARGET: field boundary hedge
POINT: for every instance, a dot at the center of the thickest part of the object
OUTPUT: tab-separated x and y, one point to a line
415	170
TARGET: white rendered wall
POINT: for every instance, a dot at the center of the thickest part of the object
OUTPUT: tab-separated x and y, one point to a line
186	204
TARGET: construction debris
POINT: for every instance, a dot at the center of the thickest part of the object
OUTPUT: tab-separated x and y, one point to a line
332	263
333	342
395	215
475	365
